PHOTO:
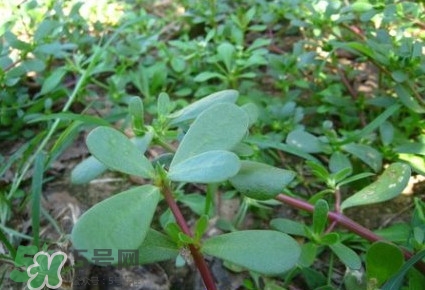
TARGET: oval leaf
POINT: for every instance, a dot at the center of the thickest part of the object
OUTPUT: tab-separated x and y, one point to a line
389	185
320	216
87	170
194	109
261	181
120	222
288	226
377	266
207	167
116	151
157	247
304	141
220	127
339	161
52	81
266	252
365	153
347	256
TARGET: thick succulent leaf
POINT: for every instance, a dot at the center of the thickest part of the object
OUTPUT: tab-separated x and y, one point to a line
288	226
207	167
157	247
377	266
365	153
320	216
266	252
304	141
347	256
90	168
261	181
339	161
116	151
220	127
194	109
120	222
87	170
389	185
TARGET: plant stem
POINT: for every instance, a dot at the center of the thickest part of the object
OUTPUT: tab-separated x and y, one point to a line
347	223
196	254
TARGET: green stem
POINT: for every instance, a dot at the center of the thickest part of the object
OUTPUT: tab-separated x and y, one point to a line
196	254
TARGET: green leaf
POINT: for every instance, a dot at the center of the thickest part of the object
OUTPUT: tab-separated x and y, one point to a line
264	142
157	247
288	226
207	75
178	64
207	167
386	130
407	99
361	6
411	148
329	239
308	254
266	252
52	81
304	141
226	53
355	177
116	151
252	112
136	110
417	162
220	127
374	124
320	216
396	281
120	222
378	267
261	181
399	76
365	153
338	162
87	170
347	256
194	109
163	104
318	170
201	227
70	116
196	203
341	175
396	233
389	185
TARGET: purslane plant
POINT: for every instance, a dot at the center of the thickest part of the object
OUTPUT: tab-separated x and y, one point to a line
212	132
204	155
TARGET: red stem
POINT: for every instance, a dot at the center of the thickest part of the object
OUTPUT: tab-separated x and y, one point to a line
347	223
196	254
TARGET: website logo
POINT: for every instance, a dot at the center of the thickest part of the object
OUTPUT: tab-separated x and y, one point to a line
43	269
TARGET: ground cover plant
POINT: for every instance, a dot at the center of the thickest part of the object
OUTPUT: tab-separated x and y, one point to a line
312	106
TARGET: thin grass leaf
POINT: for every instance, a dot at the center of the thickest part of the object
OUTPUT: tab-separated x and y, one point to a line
7	244
71	117
396	281
372	126
36	187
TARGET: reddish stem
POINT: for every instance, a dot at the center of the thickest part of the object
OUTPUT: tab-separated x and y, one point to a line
347	223
196	254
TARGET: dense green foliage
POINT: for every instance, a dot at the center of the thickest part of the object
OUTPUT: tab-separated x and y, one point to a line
317	104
